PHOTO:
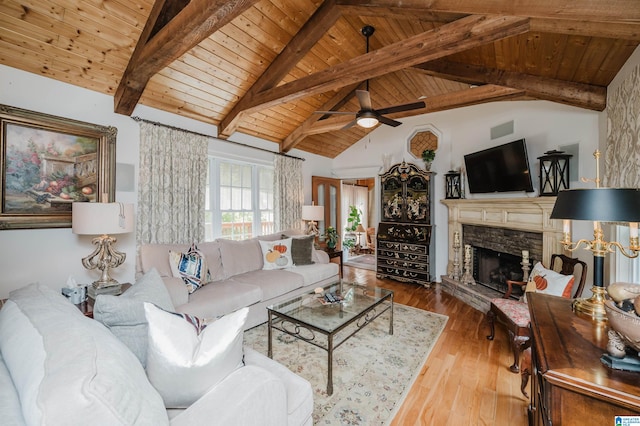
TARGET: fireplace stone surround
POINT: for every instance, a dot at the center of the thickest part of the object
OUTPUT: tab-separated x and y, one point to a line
498	217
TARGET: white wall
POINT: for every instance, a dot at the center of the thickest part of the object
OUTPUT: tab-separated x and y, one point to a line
544	125
50	256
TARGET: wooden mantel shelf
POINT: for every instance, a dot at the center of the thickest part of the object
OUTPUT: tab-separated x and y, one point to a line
532	214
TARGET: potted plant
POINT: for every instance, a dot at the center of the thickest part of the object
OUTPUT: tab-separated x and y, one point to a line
331	236
353	220
428	155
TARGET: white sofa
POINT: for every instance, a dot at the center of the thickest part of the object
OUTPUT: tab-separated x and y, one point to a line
238	278
58	367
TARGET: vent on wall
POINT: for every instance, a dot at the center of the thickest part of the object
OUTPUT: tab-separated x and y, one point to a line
503	129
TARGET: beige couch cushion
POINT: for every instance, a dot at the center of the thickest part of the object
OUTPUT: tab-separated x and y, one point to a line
220	298
272	282
157	256
239	257
316	272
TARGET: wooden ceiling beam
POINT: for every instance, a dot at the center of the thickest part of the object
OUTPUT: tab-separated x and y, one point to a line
399	12
621	30
457	36
458	99
566	92
313	30
194	23
341	97
575	10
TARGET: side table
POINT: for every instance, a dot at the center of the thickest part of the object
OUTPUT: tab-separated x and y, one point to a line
335	253
86	307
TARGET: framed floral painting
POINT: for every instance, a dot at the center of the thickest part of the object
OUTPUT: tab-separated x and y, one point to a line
47	163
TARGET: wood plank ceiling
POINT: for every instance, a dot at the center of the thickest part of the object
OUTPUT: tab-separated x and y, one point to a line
263	67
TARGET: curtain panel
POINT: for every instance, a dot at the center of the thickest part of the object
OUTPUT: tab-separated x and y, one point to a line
288	192
171	186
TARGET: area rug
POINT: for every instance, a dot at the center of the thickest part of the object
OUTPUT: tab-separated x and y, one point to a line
364	261
372	370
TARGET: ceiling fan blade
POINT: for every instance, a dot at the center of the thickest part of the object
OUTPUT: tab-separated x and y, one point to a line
328	114
388	121
400	108
335	112
365	99
349	125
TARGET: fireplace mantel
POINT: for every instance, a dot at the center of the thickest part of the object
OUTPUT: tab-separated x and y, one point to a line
527	214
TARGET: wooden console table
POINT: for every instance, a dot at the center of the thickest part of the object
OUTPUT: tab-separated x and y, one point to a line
569	384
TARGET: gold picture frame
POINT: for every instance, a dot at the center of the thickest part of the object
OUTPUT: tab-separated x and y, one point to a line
47	163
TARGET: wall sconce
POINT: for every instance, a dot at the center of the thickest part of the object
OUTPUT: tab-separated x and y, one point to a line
598	205
554	172
103	219
312	214
453	188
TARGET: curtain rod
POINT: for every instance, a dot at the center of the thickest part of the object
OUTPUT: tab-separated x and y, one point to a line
212	137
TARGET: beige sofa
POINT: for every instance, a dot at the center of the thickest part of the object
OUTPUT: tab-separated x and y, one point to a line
238	278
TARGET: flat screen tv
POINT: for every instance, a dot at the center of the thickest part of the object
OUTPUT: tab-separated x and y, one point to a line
503	168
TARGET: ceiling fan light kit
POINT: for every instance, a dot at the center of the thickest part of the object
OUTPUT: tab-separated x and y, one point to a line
366	119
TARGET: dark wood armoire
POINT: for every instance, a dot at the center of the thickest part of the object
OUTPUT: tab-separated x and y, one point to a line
404	233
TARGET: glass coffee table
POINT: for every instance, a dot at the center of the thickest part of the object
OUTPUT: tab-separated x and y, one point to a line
328	325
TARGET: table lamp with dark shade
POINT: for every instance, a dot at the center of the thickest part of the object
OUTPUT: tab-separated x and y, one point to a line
598	205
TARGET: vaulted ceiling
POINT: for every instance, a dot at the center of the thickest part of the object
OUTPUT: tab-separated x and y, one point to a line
263	67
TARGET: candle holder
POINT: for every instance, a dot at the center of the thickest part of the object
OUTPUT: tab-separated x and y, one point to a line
525	269
525	265
467	278
455	273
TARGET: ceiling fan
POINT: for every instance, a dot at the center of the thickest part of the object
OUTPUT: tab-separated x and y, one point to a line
368	117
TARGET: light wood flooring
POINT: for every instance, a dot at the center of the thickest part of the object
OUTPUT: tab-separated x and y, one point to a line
466	379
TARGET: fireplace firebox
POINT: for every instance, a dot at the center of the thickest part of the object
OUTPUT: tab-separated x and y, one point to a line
492	269
497	255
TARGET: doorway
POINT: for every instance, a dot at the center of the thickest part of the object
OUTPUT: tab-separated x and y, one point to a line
359	198
337	195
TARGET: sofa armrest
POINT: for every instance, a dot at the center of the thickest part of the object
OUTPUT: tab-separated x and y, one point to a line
177	290
299	391
248	396
320	256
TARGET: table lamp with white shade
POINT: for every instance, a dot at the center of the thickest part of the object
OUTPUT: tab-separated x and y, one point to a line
312	215
104	220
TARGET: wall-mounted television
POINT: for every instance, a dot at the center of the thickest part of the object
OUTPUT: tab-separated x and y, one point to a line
503	168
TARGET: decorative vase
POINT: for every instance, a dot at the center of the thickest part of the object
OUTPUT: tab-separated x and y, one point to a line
331	244
427	166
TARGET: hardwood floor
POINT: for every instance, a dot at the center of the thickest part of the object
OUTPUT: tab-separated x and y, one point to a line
466	379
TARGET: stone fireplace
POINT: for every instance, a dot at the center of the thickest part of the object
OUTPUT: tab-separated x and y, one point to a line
498	230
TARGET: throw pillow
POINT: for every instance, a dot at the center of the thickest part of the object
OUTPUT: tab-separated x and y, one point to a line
124	314
276	254
302	249
185	360
551	282
191	267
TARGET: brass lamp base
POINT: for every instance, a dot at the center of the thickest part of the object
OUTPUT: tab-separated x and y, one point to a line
593	306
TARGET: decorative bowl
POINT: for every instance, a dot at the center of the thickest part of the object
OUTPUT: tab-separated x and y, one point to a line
625	324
